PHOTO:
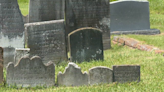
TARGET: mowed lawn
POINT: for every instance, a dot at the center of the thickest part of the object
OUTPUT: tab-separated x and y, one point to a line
152	70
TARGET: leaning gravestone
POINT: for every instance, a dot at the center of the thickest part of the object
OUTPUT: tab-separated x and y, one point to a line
89	13
45	10
31	72
100	74
11	28
72	76
126	73
130	16
86	44
1	65
47	40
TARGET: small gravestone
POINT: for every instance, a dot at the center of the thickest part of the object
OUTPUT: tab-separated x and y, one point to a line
100	74
46	10
126	73
30	73
11	28
89	13
47	40
25	18
86	44
1	65
19	53
130	16
72	76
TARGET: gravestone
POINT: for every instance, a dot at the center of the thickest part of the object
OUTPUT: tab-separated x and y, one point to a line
11	28
131	17
100	74
30	72
126	73
19	53
89	13
25	18
72	76
46	10
47	40
86	44
1	65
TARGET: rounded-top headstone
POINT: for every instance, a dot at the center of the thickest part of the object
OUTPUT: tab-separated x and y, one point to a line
86	44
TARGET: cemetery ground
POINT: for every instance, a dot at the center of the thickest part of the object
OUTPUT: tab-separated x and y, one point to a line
152	70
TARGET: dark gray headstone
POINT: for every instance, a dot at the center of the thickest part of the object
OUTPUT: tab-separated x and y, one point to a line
19	53
1	65
89	13
31	72
11	27
98	75
72	76
126	73
47	40
45	10
86	44
129	15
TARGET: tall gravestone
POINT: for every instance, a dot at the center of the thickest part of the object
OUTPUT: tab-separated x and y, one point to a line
126	73
47	40
130	16
11	28
31	72
89	13
86	44
1	65
45	10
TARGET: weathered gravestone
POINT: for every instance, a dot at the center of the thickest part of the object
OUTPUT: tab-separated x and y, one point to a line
126	73
130	17
47	40
11	28
100	74
89	13
86	44
45	10
19	53
31	72
72	76
1	65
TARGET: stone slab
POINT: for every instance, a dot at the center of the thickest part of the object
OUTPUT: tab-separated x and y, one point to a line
46	10
100	74
139	32
19	53
89	13
126	73
129	15
1	65
72	76
86	44
30	73
47	40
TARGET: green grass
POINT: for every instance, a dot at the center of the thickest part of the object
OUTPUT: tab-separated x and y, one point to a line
24	6
152	70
